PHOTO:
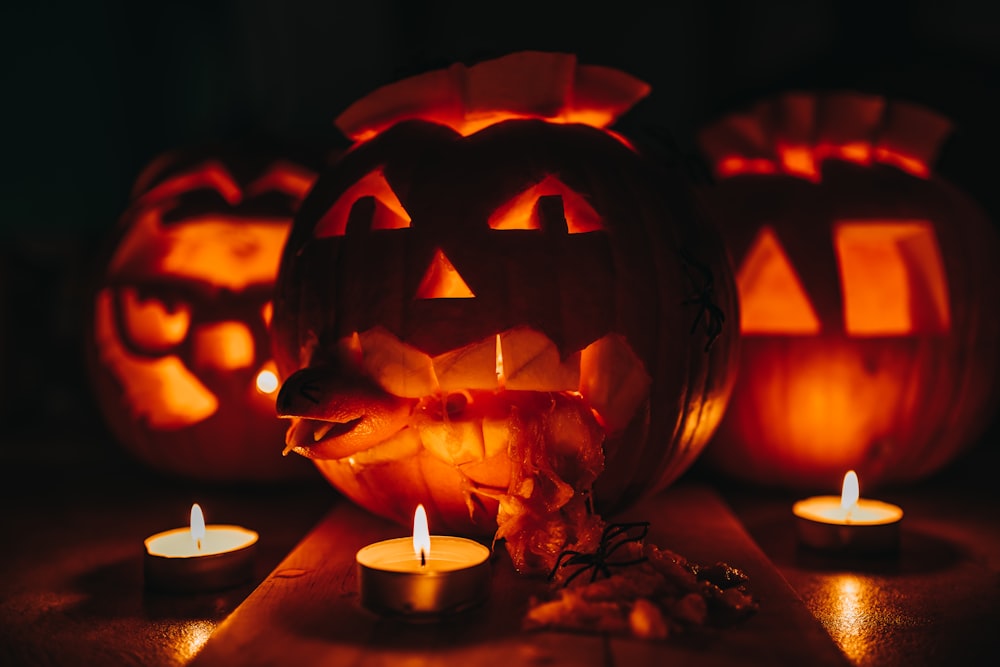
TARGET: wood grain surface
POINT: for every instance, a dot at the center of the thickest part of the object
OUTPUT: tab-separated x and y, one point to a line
307	613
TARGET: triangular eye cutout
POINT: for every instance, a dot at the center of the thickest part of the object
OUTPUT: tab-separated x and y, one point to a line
442	281
772	299
389	213
521	212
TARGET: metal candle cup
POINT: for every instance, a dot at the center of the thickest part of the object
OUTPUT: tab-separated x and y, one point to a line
213	558
848	524
424	577
455	576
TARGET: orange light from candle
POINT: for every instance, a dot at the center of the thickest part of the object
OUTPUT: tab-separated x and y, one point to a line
501	378
421	535
267	382
197	526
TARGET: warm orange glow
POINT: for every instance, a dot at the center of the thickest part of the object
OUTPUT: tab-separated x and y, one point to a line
211	175
421	535
824	408
150	324
521	212
161	393
794	134
442	281
283	177
267	381
733	165
266	311
859	152
389	212
190	637
893	277
197	526
772	299
223	345
859	614
549	86
799	161
907	163
501	378
216	251
850	493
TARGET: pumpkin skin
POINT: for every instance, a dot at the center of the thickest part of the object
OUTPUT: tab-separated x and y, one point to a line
178	334
591	312
895	391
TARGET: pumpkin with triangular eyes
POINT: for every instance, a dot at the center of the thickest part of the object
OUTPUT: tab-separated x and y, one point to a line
868	293
178	346
508	316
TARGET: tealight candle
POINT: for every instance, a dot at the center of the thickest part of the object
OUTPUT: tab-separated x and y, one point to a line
199	558
423	577
849	524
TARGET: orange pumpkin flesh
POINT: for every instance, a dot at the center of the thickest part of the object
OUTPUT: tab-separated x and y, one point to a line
506	311
179	348
870	333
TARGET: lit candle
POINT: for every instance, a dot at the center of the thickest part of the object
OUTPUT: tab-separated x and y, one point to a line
849	523
199	557
424	576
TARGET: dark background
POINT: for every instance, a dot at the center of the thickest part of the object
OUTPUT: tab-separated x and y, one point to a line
93	91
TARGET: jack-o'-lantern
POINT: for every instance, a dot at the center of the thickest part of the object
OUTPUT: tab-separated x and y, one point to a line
868	293
492	305
179	350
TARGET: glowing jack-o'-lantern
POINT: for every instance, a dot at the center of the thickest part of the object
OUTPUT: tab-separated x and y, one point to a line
492	303
868	293
179	347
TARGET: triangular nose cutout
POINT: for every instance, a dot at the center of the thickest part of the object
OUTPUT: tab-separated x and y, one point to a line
442	281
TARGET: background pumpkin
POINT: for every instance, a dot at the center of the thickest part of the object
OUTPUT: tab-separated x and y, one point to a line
465	279
178	349
868	289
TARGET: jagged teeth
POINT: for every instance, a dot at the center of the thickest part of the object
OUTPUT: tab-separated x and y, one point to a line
320	432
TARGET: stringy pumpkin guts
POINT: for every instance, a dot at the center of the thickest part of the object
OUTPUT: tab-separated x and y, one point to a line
660	596
556	456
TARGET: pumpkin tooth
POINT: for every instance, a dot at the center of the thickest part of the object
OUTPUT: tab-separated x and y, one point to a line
321	431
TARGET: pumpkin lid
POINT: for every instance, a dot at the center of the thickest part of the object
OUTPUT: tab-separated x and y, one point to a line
526	84
793	133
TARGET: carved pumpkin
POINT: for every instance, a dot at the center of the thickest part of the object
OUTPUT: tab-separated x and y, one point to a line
868	294
179	349
491	302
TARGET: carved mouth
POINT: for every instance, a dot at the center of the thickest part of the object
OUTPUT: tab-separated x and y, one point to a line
338	412
323	439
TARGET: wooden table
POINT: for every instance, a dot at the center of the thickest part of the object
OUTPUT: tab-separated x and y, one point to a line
312	617
71	592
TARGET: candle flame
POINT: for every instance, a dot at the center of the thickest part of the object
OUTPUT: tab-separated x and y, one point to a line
267	382
501	379
421	535
197	525
850	493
